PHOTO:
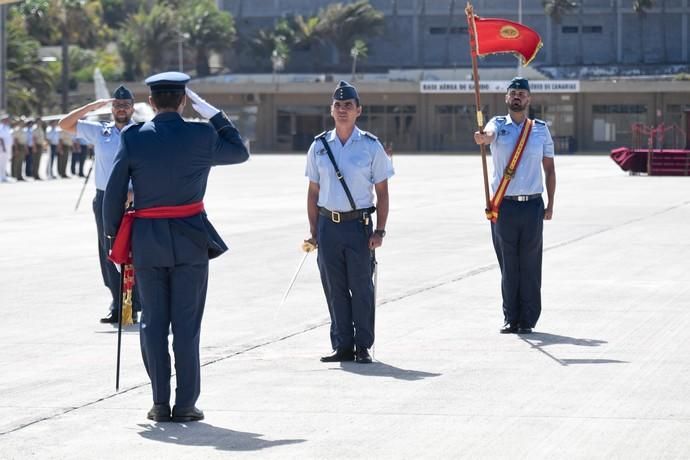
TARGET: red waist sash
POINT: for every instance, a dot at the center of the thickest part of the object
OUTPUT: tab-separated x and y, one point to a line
121	252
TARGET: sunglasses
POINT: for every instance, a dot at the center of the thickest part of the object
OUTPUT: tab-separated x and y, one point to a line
124	105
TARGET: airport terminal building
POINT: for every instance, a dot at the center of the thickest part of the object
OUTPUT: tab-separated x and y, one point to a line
603	68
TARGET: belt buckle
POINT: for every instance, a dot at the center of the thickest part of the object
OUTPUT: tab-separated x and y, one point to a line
335	217
523	198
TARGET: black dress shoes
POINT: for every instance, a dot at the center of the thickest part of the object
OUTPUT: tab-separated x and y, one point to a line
524	330
362	356
339	355
509	328
112	318
159	413
190	414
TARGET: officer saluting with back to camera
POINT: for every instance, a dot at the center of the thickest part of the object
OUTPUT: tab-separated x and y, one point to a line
168	161
345	166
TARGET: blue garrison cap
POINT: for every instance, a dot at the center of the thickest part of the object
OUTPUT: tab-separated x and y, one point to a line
345	91
168	82
519	83
123	93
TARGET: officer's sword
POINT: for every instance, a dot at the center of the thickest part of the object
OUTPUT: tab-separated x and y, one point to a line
119	326
86	181
307	247
376	285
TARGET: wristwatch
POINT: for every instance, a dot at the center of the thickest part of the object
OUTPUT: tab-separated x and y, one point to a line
380	232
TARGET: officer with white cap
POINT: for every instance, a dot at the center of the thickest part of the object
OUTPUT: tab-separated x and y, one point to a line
168	161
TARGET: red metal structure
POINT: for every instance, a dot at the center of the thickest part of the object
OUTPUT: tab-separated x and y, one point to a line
653	157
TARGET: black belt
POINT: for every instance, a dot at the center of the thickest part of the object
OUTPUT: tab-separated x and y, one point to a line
338	217
522	197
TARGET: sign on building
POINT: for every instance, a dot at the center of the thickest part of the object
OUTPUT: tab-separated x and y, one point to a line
499	86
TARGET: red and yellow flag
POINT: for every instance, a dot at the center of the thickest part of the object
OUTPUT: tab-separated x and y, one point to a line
491	36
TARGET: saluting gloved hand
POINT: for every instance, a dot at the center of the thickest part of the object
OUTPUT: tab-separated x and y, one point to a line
309	245
202	107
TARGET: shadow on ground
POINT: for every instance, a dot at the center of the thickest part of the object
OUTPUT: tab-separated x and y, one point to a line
380	369
203	434
539	340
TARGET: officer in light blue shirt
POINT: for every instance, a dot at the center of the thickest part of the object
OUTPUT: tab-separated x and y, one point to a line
518	231
105	137
341	223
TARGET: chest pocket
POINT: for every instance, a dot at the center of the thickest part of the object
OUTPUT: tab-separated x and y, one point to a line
535	144
361	160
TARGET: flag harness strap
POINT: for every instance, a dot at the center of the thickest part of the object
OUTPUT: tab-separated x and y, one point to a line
509	172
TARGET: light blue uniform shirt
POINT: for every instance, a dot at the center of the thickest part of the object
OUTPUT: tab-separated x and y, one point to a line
53	135
29	136
105	138
529	179
363	163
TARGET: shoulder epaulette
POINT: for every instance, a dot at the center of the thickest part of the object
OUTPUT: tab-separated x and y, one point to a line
370	136
540	122
323	134
127	128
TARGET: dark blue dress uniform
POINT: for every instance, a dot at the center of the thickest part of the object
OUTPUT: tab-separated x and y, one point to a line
518	233
168	161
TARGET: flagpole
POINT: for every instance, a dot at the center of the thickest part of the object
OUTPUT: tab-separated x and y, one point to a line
469	11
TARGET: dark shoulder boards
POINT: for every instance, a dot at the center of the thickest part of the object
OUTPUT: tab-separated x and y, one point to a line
370	136
540	122
323	134
128	127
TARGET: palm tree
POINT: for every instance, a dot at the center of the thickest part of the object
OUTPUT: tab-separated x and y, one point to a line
147	36
306	31
555	10
341	25
359	50
208	29
30	85
73	21
640	7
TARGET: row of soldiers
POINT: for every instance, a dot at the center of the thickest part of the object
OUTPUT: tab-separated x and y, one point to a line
23	143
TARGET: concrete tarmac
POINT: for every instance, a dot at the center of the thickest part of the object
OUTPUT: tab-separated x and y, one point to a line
605	375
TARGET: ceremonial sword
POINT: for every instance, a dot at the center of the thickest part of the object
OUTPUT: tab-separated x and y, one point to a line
86	181
307	247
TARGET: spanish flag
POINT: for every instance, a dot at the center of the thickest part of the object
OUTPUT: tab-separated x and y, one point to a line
491	36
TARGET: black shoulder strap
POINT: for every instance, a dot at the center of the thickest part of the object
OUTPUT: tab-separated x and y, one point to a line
338	174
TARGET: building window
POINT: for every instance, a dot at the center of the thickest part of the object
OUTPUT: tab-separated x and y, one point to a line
455	30
592	29
569	29
613	122
619	108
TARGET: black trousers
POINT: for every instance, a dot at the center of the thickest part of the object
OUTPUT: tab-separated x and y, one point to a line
173	296
346	267
518	240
